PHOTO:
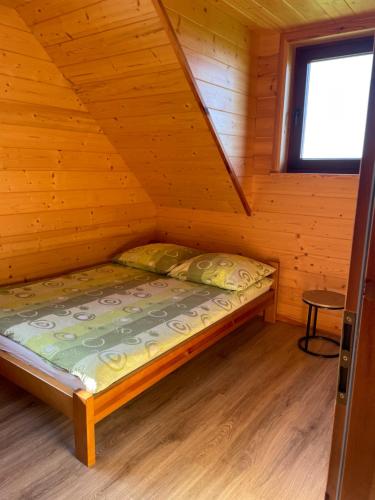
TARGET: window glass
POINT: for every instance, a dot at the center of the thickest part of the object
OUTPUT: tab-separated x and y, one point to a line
336	101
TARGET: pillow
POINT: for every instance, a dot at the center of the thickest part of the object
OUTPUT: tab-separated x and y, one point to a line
156	257
224	270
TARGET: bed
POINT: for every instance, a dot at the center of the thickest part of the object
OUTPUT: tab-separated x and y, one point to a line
89	341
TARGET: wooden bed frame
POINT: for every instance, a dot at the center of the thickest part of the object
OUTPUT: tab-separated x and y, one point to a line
86	409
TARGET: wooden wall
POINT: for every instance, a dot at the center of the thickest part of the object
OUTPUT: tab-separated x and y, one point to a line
219	50
304	220
67	199
122	63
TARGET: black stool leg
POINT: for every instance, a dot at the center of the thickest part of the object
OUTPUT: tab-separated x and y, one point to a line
315	320
308	328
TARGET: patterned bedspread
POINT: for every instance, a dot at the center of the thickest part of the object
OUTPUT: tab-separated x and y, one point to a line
102	323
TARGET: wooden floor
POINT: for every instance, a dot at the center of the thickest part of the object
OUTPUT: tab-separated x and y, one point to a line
248	419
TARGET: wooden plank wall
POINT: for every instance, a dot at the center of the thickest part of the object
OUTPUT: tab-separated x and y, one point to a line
124	67
121	63
67	199
219	55
304	220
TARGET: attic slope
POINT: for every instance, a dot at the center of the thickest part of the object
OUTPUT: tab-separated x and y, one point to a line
67	198
122	63
220	53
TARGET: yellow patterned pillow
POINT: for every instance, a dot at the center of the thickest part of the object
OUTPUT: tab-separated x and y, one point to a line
224	270
156	257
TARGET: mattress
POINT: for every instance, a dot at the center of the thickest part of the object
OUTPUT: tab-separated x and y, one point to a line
89	329
29	357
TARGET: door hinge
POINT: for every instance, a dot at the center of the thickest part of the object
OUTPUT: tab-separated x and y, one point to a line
345	355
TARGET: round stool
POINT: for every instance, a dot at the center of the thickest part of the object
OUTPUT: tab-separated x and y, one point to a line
319	299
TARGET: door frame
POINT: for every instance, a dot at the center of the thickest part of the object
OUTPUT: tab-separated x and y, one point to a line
352	460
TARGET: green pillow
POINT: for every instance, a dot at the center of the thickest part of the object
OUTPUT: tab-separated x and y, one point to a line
224	270
156	257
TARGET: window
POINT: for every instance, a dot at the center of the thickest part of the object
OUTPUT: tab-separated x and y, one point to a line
329	106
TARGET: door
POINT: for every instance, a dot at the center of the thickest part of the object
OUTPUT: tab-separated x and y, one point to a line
352	464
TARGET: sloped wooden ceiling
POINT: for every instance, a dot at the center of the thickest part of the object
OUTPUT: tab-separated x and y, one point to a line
220	53
285	14
122	62
67	198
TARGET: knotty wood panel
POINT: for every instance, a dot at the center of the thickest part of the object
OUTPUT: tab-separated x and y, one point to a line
218	49
284	14
310	234
124	67
306	221
67	198
327	200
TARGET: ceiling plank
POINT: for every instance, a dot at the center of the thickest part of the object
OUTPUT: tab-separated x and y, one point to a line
285	14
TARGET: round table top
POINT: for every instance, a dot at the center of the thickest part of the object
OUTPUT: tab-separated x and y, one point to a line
324	299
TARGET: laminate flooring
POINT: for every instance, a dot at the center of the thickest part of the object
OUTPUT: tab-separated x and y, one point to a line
250	418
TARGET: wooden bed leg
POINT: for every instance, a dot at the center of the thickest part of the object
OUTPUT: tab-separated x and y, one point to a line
84	427
270	314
